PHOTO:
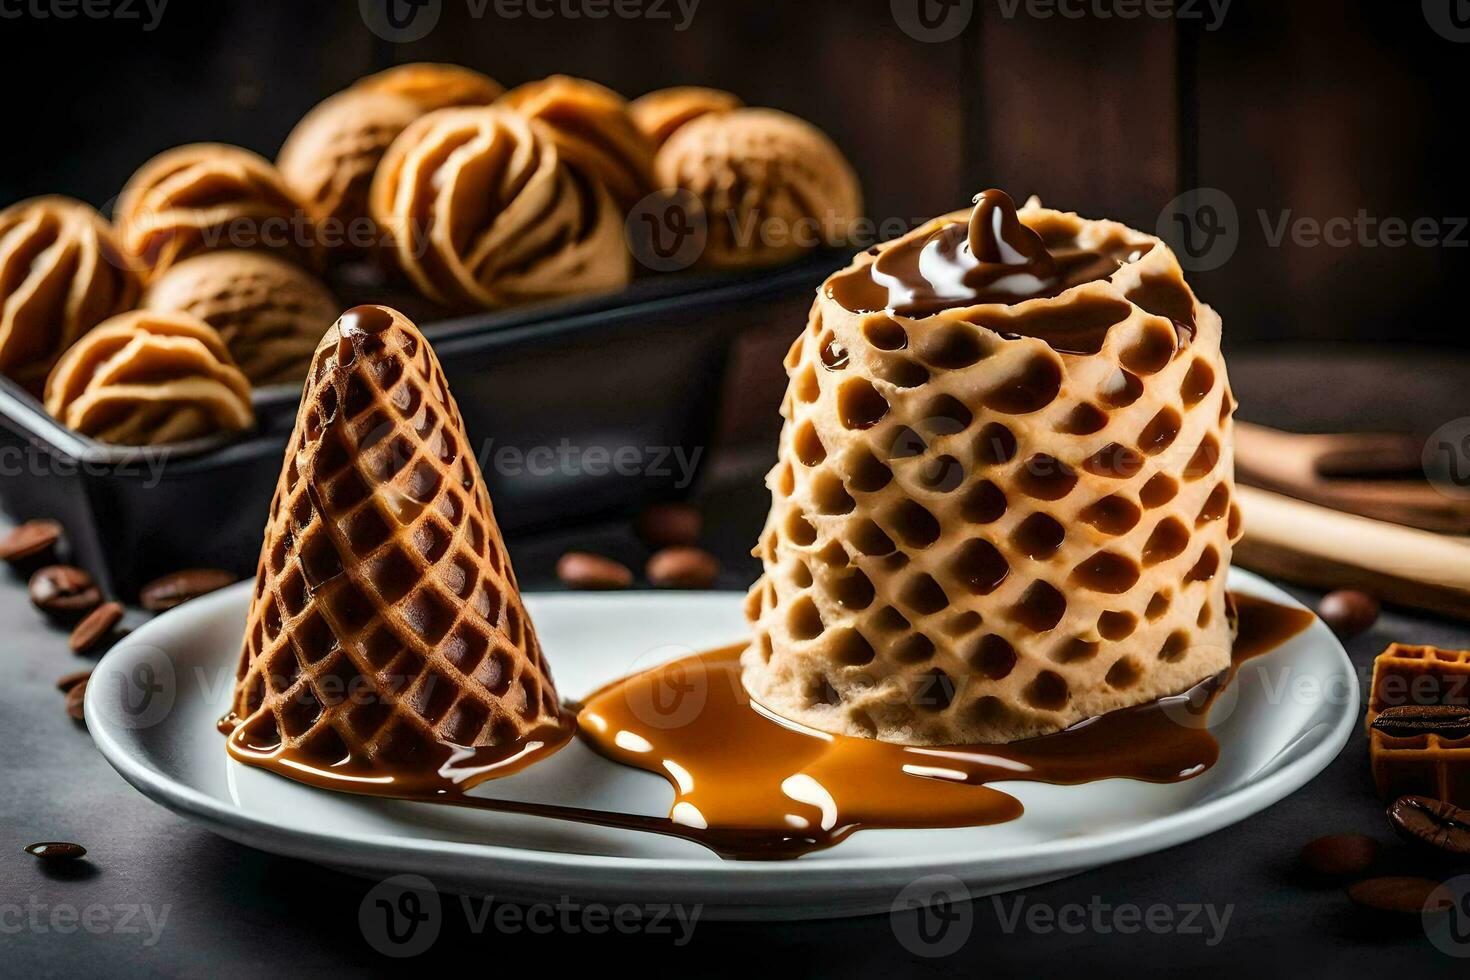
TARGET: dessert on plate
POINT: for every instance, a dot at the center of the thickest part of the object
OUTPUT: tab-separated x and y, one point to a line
386	639
1004	497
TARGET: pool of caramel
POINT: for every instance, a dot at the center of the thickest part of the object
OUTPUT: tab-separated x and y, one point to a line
751	785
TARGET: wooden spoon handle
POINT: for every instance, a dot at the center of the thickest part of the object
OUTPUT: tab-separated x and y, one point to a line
1324	548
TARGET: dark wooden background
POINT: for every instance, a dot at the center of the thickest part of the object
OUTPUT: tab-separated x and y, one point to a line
1319	109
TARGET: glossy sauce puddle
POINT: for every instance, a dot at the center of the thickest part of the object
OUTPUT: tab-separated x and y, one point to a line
750	785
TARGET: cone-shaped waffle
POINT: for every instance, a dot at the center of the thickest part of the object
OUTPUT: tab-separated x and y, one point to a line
386	635
995	521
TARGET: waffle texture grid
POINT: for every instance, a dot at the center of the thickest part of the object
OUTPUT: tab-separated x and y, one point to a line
974	538
386	623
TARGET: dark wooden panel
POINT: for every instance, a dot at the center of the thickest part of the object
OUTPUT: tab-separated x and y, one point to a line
1306	116
1079	111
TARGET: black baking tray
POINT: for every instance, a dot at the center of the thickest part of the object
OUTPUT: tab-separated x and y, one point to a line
577	409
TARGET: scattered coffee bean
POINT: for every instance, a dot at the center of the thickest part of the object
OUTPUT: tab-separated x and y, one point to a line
1340	855
666	525
178	588
76	701
64	592
66	682
683	568
97	628
56	850
1401	895
582	570
1448	721
31	543
1421	820
1348	611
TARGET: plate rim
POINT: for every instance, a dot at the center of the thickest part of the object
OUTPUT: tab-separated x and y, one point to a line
536	866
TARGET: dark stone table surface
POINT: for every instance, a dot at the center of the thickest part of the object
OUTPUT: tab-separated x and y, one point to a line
160	896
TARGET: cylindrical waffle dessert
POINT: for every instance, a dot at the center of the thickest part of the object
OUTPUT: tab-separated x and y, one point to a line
208	196
270	313
434	86
328	161
593	122
62	272
487	208
386	634
772	186
148	378
1004	497
659	113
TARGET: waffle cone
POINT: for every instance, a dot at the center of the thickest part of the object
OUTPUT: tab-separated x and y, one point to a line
974	537
386	627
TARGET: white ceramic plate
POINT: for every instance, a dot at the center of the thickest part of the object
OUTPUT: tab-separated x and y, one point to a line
154	699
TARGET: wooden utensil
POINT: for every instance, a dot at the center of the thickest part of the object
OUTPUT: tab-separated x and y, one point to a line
1324	548
1375	475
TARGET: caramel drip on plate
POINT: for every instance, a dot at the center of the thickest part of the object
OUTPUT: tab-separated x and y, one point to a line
751	785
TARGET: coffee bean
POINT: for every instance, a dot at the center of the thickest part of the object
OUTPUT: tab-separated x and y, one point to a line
1348	611
56	850
64	593
1340	855
31	543
1448	721
666	525
75	702
1401	895
66	682
97	628
1421	820
582	570
178	588
683	568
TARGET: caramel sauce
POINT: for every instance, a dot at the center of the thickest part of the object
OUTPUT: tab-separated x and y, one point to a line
751	785
735	764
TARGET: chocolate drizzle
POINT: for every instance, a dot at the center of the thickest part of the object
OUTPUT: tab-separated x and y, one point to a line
996	258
